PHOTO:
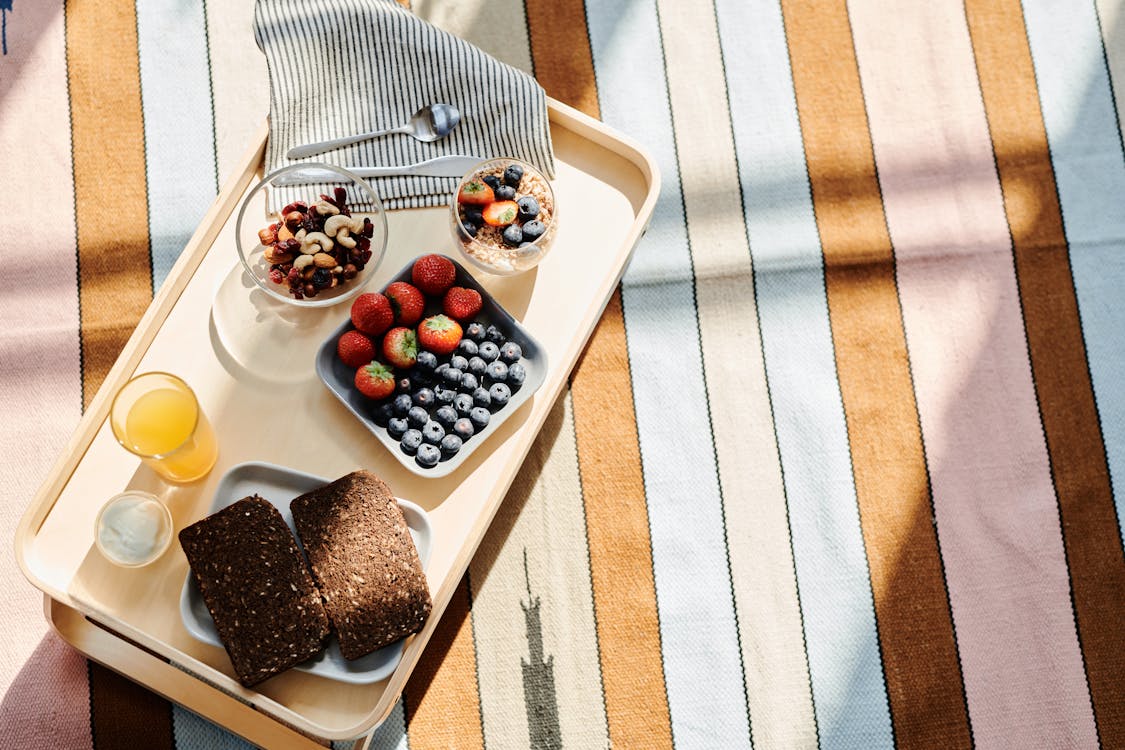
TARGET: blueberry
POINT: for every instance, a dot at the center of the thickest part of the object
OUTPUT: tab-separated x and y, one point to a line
446	416
383	413
475	332
450	444
397	427
533	230
481	397
492	181
441	368
463	404
428	456
421	378
452	377
495	335
463	428
433	432
479	416
467	348
500	394
529	208
511	352
424	397
469	382
516	375
505	193
417	416
403	385
444	394
427	361
512	235
403	402
477	366
488	351
513	174
458	362
474	215
497	372
410	442
470	228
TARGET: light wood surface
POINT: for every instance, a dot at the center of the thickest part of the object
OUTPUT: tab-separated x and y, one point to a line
250	361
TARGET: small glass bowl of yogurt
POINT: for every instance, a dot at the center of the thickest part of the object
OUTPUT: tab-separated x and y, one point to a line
133	529
503	216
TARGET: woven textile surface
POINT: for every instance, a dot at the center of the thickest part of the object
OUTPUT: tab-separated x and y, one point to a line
842	463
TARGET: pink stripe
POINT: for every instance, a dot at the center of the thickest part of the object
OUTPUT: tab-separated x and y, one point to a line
996	510
40	381
48	703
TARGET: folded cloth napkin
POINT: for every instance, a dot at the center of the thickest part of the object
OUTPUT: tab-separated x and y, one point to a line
342	67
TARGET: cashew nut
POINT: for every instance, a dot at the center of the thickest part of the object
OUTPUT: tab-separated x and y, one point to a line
300	235
335	223
315	242
324	208
345	239
302	261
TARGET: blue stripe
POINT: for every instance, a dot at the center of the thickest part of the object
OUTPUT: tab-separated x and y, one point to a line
1082	130
179	125
702	665
845	665
191	731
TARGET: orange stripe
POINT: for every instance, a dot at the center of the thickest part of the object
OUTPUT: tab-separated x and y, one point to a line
1058	353
911	603
110	190
125	715
441	699
608	451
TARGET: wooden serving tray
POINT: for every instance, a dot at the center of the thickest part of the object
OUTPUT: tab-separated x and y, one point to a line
251	362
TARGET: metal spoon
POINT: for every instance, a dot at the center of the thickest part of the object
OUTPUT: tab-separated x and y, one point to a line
430	123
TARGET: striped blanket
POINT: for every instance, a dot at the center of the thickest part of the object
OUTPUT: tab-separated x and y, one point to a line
841	465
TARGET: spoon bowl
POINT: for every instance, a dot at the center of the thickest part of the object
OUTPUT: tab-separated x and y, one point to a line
430	123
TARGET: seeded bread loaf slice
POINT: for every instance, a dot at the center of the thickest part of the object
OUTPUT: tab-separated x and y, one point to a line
364	562
257	587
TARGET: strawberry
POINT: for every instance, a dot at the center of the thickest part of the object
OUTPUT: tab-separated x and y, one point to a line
439	334
475	193
461	303
501	213
355	349
433	274
400	347
372	314
406	302
375	380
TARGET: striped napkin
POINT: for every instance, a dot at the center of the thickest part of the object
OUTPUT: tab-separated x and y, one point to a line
341	67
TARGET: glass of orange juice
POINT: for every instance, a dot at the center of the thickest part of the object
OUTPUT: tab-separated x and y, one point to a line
156	417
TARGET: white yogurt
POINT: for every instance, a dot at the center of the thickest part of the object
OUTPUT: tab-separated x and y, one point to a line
133	528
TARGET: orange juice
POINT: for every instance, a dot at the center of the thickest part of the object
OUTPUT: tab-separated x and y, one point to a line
156	417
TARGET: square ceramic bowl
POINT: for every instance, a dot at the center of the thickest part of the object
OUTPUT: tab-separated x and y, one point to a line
279	486
340	378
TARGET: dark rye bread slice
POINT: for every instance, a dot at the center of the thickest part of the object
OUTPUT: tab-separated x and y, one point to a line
257	587
364	561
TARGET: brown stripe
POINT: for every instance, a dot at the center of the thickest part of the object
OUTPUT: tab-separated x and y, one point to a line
915	626
560	47
609	459
110	189
125	715
1058	353
442	701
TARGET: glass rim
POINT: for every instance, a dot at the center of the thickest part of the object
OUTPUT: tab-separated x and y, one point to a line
130	381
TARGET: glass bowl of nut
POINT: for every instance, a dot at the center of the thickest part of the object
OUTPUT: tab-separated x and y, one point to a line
311	235
503	216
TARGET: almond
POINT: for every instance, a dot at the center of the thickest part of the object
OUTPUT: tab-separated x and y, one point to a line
283	233
324	260
274	255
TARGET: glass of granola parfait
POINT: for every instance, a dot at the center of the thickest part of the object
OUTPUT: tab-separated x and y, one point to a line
503	216
311	235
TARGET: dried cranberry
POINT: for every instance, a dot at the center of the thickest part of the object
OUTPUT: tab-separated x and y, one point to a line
295	206
362	243
341	197
368	227
276	276
328	199
294	275
366	255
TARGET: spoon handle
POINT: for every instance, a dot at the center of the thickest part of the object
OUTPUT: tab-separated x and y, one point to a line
310	149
